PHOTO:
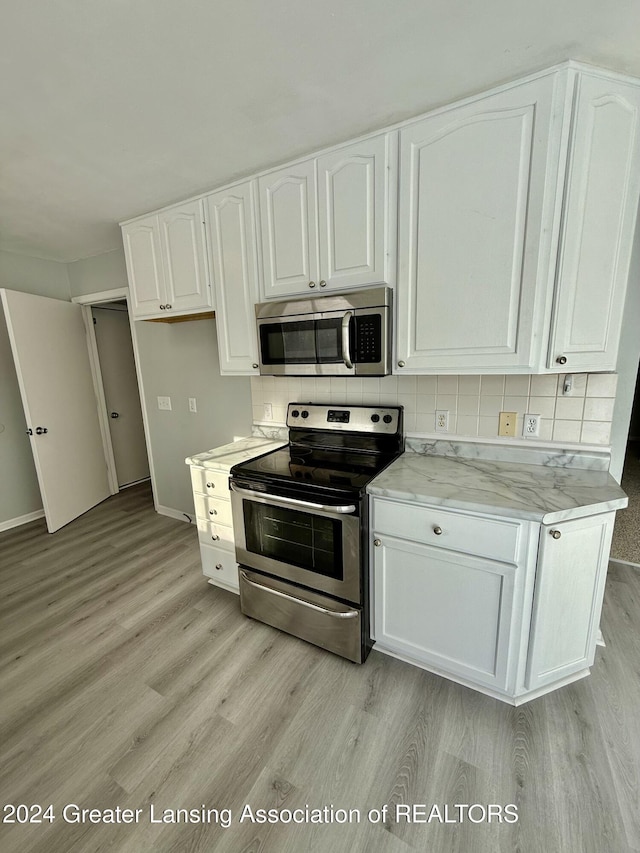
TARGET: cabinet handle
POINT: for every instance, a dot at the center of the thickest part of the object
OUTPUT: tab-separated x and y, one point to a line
437	530
215	537
312	284
401	364
218	566
555	533
254	365
561	359
211	485
323	284
213	512
167	305
377	542
162	307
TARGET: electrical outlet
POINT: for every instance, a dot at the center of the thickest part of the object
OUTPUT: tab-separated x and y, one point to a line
531	426
507	423
192	404
442	421
268	411
164	403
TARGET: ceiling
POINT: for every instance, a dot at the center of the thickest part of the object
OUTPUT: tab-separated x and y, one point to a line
113	108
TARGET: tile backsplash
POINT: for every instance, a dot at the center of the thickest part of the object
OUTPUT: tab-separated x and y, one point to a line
582	415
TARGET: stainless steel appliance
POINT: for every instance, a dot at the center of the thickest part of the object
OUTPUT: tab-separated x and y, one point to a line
300	517
342	335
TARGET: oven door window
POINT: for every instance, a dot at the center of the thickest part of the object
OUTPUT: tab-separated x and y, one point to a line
288	343
312	542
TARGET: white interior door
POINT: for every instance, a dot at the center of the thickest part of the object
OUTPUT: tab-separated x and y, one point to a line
117	366
49	348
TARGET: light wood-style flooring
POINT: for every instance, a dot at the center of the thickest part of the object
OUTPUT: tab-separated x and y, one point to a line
126	680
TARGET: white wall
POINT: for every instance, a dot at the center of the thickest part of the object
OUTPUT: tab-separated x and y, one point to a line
19	491
180	360
628	358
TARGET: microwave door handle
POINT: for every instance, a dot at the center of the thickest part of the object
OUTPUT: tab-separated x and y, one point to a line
346	354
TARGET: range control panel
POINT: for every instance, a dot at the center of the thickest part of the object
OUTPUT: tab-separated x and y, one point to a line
382	420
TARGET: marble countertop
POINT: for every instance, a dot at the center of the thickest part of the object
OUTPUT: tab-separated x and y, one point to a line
518	490
225	457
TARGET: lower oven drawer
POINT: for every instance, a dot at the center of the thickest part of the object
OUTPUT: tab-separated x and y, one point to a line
319	620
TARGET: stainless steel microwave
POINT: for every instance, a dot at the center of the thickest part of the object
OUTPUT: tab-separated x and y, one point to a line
342	335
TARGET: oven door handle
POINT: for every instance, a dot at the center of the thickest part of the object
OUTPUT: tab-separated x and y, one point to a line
264	498
346	353
337	614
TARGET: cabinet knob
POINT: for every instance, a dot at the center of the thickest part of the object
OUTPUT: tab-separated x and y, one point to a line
401	364
215	537
218	566
211	485
323	284
437	530
162	307
167	305
377	542
312	284
555	533
561	359
255	365
213	512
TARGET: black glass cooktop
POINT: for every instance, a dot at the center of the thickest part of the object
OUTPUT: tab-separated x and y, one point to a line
317	467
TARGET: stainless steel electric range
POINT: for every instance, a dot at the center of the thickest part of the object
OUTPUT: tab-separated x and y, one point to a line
301	523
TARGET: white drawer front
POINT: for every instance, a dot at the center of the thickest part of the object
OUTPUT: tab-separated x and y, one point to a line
213	509
215	483
455	531
220	535
220	566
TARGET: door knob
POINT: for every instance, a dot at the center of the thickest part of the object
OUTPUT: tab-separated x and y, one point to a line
115	415
41	430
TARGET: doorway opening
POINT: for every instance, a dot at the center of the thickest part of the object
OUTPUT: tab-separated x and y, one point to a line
625	547
113	355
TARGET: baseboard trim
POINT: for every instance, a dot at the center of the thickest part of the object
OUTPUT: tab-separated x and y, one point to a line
624	563
174	513
21	519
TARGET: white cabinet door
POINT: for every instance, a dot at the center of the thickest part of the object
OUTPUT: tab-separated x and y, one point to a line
289	230
145	269
600	210
354	212
473	220
183	244
569	589
448	611
233	253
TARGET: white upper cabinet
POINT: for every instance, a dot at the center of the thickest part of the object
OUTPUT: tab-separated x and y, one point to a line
328	223
145	269
288	226
166	262
234	270
356	213
603	185
473	214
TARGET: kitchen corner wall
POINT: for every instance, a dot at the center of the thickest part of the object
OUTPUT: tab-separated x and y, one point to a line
584	415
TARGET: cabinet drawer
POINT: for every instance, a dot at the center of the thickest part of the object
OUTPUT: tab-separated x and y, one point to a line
213	509
220	535
220	566
210	482
455	531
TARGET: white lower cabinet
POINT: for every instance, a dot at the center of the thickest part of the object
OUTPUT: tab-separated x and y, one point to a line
516	619
212	502
445	609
